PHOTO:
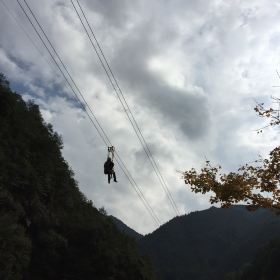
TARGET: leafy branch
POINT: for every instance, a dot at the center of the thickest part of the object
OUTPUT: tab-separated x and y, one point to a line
255	184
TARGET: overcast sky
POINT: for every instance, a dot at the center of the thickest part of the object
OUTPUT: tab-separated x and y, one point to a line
191	72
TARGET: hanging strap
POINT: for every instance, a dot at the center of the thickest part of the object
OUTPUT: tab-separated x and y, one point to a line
111	152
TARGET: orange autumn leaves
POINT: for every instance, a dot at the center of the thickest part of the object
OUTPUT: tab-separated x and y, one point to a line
255	184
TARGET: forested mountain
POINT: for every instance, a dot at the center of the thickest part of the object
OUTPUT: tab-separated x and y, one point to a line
264	266
48	229
213	243
122	227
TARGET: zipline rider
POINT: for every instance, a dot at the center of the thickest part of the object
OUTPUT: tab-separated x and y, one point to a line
109	165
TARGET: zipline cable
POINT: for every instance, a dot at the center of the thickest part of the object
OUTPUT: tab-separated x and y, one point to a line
97	125
113	81
107	141
127	108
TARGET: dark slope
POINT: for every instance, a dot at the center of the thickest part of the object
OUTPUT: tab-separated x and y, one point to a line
210	243
122	227
48	229
264	266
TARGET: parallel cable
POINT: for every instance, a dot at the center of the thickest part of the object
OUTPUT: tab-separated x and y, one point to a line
113	81
97	125
134	122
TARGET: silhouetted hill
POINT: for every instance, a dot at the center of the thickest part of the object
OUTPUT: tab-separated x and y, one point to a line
48	229
211	243
122	227
264	266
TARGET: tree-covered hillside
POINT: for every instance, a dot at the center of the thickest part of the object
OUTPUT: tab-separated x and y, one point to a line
210	244
265	265
125	229
48	229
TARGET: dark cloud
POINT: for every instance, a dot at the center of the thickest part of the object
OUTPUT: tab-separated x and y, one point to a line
187	110
115	13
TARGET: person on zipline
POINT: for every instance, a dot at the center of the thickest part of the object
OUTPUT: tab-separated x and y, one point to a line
109	169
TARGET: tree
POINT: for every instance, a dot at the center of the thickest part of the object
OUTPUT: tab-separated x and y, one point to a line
255	184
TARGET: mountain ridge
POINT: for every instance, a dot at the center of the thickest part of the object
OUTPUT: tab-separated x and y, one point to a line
123	228
228	248
211	242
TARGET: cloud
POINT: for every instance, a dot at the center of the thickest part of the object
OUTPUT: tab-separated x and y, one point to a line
190	71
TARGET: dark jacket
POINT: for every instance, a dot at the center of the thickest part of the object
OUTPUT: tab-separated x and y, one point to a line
108	166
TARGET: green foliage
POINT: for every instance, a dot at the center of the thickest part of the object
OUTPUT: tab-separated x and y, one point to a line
102	211
15	248
48	229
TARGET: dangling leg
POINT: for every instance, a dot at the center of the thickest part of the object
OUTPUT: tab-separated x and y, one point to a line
114	175
109	178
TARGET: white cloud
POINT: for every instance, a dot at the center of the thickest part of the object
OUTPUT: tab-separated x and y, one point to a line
190	71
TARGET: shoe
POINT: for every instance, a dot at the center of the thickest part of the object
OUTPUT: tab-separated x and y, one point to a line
116	181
